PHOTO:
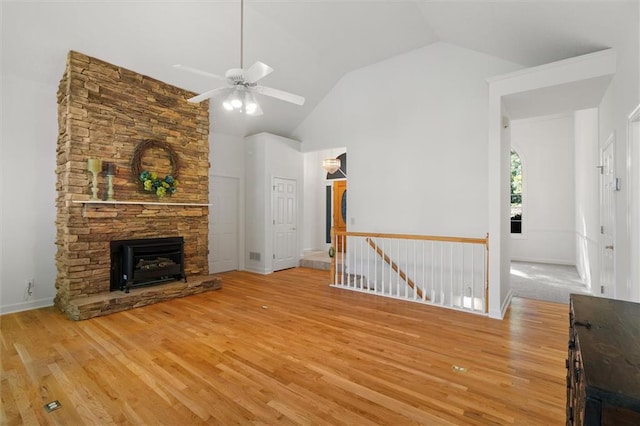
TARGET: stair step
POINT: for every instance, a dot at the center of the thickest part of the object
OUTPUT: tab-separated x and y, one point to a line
315	264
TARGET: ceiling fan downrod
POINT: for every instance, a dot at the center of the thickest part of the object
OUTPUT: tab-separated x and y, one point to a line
243	83
242	34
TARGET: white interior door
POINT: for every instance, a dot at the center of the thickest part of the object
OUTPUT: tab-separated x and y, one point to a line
607	219
285	224
223	224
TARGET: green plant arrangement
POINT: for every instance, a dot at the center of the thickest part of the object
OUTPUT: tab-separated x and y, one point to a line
161	187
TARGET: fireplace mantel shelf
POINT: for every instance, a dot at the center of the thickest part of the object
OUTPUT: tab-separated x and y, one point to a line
138	203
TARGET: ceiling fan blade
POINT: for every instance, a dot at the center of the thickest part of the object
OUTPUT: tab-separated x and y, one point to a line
197	71
280	94
257	71
206	95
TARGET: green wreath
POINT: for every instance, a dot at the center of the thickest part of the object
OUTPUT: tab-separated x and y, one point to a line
149	180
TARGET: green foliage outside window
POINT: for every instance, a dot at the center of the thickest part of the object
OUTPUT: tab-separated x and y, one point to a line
516	193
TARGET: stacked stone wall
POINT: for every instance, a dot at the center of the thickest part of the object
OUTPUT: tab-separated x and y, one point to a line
104	112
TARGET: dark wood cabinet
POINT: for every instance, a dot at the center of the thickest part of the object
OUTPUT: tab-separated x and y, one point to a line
603	367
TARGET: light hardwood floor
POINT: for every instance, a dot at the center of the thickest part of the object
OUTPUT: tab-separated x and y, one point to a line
286	348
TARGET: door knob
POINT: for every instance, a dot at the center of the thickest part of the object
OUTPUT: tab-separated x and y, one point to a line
609	247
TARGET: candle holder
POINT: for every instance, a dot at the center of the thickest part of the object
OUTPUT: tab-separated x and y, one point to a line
111	171
94	166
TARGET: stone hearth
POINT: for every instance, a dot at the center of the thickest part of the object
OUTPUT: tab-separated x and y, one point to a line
107	303
104	112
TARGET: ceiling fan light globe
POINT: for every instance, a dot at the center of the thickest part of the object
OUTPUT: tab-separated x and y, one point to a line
250	104
227	105
236	103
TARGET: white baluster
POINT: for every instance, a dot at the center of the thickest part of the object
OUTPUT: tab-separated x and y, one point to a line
424	290
398	269
375	272
451	274
462	280
417	282
473	280
343	252
362	272
433	275
442	273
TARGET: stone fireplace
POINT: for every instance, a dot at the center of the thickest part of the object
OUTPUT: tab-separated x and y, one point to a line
104	112
147	261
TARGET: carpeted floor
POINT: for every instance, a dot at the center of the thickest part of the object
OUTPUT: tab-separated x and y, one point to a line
542	281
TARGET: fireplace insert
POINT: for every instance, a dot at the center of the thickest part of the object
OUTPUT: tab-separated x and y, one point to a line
145	262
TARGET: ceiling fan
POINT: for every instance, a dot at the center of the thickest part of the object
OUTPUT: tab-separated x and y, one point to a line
242	84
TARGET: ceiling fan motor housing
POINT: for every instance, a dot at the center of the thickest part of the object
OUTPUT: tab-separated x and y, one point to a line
235	75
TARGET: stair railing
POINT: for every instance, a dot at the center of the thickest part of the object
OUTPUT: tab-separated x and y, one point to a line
445	271
395	267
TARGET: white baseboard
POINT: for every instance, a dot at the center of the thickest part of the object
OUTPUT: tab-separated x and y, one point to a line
260	271
543	260
306	252
505	304
25	306
499	314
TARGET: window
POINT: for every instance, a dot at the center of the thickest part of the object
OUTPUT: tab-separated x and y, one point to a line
516	193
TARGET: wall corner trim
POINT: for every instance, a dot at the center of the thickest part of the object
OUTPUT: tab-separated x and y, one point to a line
495	314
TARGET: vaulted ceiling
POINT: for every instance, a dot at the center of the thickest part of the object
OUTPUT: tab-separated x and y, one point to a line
310	44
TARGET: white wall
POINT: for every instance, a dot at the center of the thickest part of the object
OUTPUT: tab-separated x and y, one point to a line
314	197
226	157
255	204
28	162
622	97
634	212
546	148
415	127
417	152
587	195
267	156
226	154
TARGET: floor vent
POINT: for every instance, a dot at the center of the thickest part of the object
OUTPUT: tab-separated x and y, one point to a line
51	406
458	369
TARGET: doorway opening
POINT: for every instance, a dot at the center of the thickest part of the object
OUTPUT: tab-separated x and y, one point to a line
542	208
340	213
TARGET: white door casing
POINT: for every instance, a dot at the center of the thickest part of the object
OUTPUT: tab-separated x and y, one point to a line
633	197
223	224
285	224
607	218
